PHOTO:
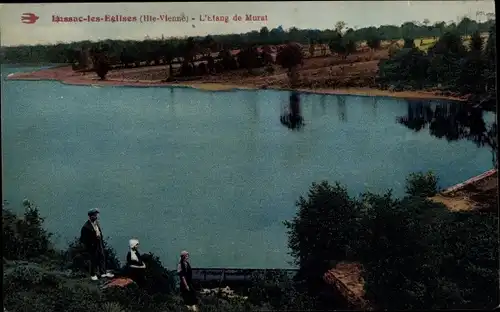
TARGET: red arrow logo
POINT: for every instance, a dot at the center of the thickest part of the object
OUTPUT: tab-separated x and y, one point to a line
29	18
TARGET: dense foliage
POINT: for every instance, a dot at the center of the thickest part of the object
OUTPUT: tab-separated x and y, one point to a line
166	50
449	65
290	57
24	238
415	253
422	184
280	292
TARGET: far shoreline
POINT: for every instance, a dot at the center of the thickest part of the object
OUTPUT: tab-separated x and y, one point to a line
65	75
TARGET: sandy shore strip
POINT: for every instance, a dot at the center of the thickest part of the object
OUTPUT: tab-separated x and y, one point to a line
67	76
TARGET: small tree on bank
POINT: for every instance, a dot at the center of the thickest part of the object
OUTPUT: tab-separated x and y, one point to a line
100	61
323	231
373	42
24	238
290	57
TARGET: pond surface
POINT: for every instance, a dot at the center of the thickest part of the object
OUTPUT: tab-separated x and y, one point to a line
213	173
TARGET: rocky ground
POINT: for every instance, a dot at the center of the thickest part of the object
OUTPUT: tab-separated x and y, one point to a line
347	279
479	195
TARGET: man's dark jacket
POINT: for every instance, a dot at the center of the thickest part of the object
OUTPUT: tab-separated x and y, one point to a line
89	238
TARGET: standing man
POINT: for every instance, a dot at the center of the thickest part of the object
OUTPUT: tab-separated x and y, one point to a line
91	238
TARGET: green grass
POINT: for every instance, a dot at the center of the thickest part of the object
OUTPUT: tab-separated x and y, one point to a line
425	44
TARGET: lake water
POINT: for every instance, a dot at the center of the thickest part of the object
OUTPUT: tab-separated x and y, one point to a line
213	173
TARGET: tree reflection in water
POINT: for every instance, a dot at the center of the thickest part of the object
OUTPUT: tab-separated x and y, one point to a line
452	121
341	108
322	103
375	106
292	118
171	103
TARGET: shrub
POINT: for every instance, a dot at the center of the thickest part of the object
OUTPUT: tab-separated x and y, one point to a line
112	307
418	255
24	238
373	42
270	69
279	290
409	43
214	304
31	288
290	56
79	261
101	65
405	66
469	248
133	297
422	184
323	231
158	278
393	49
395	252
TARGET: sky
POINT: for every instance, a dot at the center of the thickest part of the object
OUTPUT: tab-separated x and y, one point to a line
306	14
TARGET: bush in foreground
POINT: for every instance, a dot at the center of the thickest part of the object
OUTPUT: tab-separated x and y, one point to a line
24	238
279	291
422	184
415	253
78	260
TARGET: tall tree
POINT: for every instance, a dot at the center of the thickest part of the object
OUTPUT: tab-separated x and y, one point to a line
312	48
290	57
373	42
101	63
328	209
171	52
426	23
336	44
264	32
339	26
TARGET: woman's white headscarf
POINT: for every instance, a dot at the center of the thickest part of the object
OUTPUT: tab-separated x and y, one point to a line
133	243
183	258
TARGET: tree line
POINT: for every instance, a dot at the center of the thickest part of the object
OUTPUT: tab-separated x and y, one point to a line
449	65
155	51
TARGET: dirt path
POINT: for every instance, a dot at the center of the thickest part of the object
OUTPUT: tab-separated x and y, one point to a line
475	195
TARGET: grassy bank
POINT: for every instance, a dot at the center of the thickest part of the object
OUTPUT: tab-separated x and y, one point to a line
37	277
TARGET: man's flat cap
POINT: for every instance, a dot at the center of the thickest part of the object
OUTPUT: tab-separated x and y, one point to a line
93	211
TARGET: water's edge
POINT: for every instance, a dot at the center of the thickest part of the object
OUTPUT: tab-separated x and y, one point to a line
37	75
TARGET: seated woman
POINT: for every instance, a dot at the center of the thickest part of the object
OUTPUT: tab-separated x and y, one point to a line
136	268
